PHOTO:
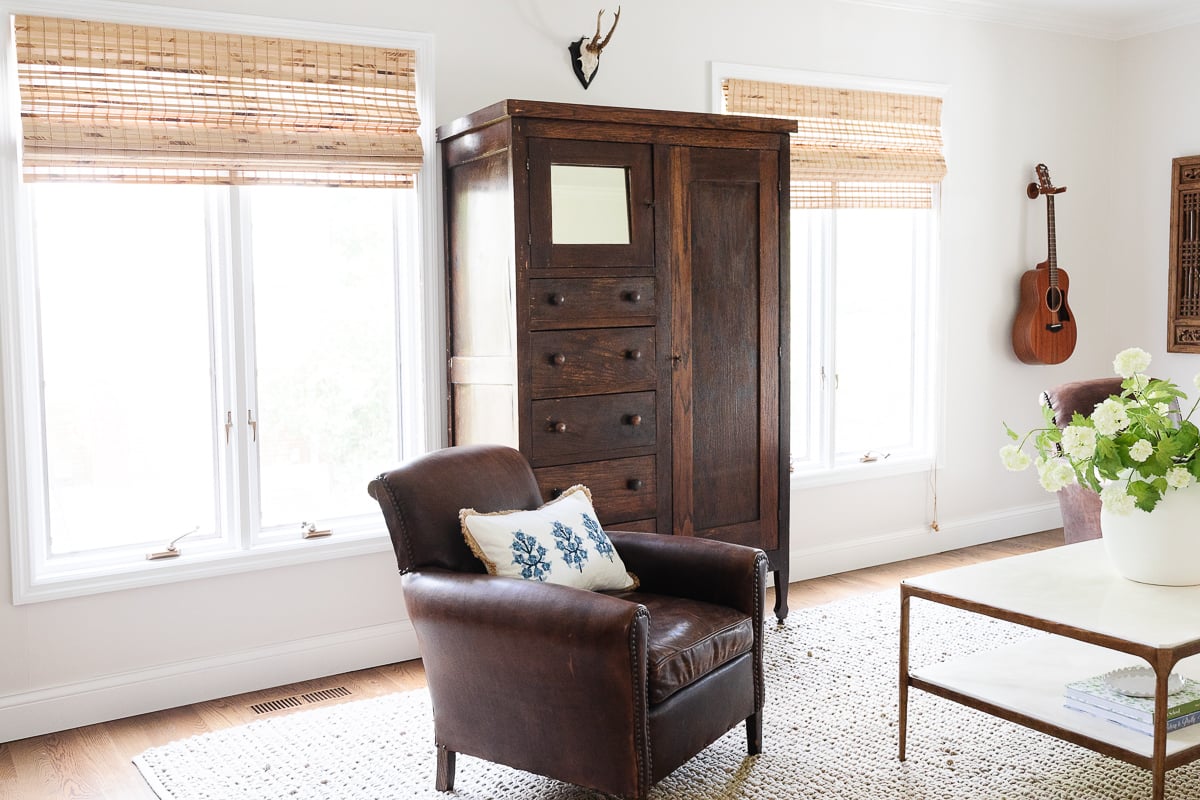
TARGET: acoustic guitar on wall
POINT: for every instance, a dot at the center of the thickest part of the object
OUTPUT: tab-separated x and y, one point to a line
1044	329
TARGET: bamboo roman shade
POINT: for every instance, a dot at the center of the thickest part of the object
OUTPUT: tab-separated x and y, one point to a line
127	103
852	149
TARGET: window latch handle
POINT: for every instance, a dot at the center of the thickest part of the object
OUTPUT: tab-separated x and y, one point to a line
228	425
253	424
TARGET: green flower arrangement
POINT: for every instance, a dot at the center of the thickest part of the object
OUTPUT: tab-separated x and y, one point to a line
1131	449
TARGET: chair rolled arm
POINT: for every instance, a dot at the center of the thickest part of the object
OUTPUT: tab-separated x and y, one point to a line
525	611
531	652
727	574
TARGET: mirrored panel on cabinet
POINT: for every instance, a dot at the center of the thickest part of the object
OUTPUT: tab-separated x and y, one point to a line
591	204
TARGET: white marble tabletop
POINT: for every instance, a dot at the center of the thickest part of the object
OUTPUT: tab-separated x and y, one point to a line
1076	585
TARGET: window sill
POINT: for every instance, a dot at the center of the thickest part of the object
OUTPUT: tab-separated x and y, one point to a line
853	473
136	574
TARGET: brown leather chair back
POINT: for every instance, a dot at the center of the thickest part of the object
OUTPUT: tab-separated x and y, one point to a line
1081	396
421	501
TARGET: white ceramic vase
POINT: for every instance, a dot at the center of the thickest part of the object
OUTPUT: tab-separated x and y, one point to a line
1160	547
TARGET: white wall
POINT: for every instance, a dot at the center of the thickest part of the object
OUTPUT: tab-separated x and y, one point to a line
1157	120
1015	97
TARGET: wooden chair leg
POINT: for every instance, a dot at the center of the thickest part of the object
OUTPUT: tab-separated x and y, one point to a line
445	769
754	733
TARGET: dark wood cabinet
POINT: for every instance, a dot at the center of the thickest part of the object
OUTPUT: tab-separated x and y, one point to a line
617	290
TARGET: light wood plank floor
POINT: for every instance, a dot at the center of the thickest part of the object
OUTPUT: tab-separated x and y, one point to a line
93	763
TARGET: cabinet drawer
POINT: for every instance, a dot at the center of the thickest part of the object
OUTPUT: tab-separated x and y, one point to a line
637	526
591	302
592	361
576	426
622	489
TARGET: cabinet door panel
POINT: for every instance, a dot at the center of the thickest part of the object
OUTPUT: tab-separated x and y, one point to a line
725	311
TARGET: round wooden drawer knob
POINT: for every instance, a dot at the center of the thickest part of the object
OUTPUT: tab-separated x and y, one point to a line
633	419
633	296
559	427
559	359
633	355
556	492
633	484
558	299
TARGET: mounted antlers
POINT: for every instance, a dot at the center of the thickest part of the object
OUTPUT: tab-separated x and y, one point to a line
595	45
585	55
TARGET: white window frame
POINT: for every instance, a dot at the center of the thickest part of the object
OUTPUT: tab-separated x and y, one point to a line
830	472
420	327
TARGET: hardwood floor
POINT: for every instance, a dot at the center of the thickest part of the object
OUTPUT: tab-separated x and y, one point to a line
93	763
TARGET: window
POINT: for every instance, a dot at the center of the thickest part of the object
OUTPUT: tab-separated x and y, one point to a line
866	173
861	332
212	346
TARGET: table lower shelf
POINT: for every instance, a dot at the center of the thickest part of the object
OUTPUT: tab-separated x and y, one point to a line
1028	678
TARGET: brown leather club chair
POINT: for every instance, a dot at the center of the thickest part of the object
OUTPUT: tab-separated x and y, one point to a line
1080	505
609	690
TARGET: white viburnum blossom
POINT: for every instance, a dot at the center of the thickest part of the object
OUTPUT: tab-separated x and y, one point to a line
1179	478
1140	450
1015	459
1110	417
1115	500
1079	441
1162	409
1055	473
1131	361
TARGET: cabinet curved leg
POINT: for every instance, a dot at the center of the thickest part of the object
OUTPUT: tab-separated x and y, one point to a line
781	593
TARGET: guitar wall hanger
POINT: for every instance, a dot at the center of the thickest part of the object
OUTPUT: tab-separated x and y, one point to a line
1044	329
1034	189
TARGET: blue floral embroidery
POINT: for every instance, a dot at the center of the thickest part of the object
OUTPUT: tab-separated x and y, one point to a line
531	556
570	545
603	545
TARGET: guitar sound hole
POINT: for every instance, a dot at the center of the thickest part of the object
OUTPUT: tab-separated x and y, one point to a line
1054	298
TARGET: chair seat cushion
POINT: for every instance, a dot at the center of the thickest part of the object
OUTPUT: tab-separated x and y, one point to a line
689	639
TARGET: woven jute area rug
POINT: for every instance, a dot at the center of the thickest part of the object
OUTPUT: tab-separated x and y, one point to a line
829	731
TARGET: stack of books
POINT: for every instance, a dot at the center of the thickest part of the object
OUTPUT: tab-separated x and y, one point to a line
1094	696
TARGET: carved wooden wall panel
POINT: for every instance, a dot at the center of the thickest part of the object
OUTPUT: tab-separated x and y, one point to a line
1183	321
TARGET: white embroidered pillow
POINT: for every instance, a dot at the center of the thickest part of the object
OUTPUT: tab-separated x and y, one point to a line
561	542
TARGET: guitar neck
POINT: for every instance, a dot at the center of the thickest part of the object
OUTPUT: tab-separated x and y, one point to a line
1052	258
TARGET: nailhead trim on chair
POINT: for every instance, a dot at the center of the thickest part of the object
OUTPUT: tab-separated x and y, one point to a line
640	733
760	566
403	526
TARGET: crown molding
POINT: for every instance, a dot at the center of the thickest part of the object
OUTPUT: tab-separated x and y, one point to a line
1113	26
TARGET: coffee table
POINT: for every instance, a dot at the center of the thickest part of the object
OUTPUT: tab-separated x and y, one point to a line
1096	621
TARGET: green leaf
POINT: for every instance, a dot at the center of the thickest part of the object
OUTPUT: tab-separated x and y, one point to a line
1147	494
1187	438
1108	458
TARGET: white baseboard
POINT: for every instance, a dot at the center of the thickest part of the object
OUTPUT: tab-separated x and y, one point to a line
186	682
912	543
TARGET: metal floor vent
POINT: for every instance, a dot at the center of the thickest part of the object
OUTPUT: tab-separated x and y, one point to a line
295	701
322	695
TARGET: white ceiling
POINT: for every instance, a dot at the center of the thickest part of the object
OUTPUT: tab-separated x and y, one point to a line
1105	19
